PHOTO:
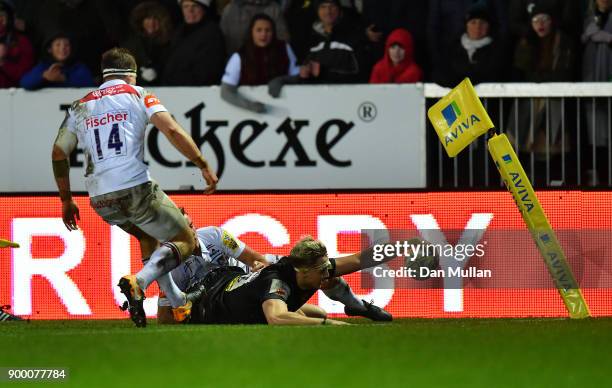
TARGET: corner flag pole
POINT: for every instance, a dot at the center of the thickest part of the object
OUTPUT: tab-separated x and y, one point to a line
459	118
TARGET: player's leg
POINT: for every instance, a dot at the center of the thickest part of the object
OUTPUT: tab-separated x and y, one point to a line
147	207
338	289
148	245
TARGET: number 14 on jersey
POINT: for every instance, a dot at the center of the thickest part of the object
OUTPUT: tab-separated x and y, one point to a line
109	142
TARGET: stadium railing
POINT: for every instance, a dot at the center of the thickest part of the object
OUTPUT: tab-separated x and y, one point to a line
551	126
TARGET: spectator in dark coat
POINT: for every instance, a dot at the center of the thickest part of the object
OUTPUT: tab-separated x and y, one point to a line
397	66
597	40
477	54
597	67
335	47
301	15
59	67
197	49
545	55
16	54
447	24
150	40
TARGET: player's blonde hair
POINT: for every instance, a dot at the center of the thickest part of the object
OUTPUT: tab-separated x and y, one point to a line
306	252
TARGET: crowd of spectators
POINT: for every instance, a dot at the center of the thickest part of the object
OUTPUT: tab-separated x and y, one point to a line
47	43
189	42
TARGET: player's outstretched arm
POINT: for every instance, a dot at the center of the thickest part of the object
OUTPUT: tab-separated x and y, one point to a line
185	144
64	144
276	313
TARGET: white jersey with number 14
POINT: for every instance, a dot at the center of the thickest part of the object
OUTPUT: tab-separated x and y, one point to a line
110	124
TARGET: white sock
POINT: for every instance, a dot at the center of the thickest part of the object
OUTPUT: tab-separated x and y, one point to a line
342	293
163	260
173	293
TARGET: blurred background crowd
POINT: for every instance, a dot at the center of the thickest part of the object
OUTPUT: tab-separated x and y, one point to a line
253	42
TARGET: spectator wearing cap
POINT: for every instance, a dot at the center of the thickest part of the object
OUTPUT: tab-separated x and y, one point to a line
335	54
397	66
149	42
59	67
477	54
262	58
238	14
16	53
546	54
447	24
568	15
197	51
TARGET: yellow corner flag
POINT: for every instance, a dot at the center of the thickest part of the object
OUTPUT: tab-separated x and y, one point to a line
7	243
459	118
518	184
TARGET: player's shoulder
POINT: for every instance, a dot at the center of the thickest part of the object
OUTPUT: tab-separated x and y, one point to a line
150	98
74	105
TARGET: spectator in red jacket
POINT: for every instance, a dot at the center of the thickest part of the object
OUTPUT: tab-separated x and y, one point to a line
398	65
16	53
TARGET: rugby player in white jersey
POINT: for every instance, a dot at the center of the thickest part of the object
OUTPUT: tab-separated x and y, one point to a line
109	124
216	247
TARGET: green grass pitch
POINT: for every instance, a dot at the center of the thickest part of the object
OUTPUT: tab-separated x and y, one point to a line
405	353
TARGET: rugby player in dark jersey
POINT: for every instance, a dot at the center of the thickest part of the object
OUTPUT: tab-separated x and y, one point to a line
276	294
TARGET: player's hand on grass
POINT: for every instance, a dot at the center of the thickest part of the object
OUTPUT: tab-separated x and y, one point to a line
70	214
211	180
